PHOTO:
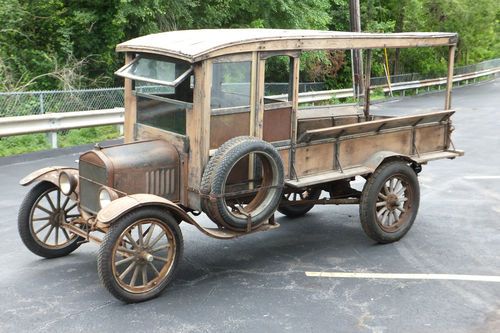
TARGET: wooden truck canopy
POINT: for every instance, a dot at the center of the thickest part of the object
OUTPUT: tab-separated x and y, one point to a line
197	45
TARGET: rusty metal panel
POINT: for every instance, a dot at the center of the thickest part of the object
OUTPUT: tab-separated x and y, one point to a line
139	167
432	138
356	151
277	124
314	158
226	126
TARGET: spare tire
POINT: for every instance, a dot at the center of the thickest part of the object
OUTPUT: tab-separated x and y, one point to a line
229	197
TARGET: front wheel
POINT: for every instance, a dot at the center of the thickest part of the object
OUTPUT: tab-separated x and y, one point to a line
139	254
389	202
41	219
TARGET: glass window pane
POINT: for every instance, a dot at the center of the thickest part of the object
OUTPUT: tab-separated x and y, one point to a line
157	70
231	84
163	115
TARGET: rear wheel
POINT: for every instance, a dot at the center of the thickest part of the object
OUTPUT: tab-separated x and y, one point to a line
42	214
290	204
389	202
139	255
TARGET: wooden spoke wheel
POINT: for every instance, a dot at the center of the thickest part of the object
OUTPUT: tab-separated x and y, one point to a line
389	202
290	204
139	254
394	200
42	215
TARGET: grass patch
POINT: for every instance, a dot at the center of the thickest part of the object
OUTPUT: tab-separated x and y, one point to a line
83	136
21	144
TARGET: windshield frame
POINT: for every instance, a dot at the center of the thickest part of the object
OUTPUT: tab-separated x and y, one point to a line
122	72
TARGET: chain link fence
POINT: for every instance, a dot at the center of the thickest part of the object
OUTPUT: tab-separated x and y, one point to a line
39	102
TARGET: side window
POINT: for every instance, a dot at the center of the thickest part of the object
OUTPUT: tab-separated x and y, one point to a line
230	101
278	85
326	70
278	96
231	85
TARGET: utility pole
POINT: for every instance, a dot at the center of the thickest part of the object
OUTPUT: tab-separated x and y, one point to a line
357	60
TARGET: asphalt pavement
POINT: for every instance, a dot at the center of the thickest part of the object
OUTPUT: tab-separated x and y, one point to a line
257	283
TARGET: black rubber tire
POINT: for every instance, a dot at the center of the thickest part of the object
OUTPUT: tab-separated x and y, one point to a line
219	168
294	211
369	198
104	261
209	172
24	224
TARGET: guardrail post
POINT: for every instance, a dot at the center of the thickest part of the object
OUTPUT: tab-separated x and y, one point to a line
52	137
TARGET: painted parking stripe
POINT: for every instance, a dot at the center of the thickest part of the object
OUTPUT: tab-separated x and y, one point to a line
481	177
458	277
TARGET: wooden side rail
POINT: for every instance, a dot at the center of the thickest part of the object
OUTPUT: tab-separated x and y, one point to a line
374	126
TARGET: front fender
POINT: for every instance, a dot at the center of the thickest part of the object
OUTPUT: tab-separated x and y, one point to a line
123	205
50	174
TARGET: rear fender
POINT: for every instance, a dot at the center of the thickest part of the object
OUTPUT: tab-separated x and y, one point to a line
50	174
382	156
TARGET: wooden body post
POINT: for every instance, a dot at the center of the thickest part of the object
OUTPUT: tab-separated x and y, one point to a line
198	130
449	85
130	104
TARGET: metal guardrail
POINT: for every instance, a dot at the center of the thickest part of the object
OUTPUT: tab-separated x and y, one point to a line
53	122
319	96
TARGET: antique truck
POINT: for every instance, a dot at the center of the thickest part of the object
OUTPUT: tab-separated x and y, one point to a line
203	136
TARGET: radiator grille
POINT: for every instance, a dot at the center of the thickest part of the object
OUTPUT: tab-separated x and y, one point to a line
92	177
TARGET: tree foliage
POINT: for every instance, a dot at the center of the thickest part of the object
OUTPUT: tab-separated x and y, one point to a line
54	44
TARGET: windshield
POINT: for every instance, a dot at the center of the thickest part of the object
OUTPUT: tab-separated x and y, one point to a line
157	70
164	91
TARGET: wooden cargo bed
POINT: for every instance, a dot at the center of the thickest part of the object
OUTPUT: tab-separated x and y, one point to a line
329	153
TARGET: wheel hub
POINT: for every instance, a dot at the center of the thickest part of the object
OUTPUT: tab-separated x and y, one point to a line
392	201
147	257
58	217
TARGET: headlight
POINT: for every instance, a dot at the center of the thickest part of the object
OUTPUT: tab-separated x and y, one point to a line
67	183
106	195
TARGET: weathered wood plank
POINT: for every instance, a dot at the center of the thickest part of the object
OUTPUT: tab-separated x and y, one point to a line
130	105
198	131
375	125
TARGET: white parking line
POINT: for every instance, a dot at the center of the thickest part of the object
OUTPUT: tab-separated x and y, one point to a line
481	177
458	277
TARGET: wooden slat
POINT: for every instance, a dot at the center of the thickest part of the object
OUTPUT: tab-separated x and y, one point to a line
327	177
311	112
438	155
375	125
